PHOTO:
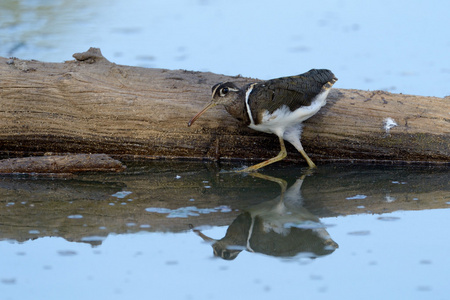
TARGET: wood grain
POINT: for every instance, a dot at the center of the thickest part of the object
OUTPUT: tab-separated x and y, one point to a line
90	105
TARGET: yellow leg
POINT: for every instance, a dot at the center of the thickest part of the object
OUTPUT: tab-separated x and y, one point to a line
279	157
311	164
298	145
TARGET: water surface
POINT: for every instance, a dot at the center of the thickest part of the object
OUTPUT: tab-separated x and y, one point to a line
346	231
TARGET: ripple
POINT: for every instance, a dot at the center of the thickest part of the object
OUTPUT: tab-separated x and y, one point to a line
360	232
93	238
8	280
388	218
67	252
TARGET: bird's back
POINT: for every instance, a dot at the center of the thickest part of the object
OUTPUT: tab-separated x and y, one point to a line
293	91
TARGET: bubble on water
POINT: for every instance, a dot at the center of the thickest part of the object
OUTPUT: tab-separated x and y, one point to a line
75	217
356	197
145	226
189	211
177	177
399	182
121	194
158	210
223	208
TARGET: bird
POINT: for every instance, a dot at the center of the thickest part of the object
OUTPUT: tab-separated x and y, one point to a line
277	106
281	227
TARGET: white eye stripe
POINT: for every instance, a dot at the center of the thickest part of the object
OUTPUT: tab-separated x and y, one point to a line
222	94
214	91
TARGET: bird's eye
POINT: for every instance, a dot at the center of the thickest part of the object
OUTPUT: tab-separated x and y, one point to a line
224	91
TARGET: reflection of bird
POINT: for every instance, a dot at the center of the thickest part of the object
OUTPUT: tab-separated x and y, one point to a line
276	106
280	227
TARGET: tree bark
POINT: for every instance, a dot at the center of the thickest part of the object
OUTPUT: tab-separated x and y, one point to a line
90	105
61	164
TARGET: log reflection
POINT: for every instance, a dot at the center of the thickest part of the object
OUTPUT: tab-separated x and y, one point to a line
280	227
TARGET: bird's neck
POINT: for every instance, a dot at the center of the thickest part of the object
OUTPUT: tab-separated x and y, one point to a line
237	108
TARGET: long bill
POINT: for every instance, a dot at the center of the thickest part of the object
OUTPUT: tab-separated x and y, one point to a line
205	237
210	104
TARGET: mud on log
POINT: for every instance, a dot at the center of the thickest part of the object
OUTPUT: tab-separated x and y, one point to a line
90	105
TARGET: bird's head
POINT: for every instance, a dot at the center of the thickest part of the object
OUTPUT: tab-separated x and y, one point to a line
222	93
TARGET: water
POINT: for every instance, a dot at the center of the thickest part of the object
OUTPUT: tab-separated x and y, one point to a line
345	231
340	231
399	46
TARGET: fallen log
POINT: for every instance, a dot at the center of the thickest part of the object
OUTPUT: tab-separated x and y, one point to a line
90	105
61	164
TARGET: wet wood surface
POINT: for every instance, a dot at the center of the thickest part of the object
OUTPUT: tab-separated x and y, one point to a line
61	164
90	105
